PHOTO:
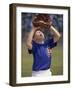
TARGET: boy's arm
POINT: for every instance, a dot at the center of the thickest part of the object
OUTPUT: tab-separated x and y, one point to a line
30	38
49	26
56	34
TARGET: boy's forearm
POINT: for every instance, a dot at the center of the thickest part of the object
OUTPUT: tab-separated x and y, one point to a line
29	40
56	33
30	37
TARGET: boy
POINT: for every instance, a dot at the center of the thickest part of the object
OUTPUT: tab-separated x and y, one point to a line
40	47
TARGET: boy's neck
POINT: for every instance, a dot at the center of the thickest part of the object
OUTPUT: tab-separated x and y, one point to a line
39	42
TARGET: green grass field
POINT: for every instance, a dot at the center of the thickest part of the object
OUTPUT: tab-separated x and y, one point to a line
56	64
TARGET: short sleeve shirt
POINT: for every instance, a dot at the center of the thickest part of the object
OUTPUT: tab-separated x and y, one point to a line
42	60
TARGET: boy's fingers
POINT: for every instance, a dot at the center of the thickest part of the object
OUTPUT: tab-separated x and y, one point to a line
35	28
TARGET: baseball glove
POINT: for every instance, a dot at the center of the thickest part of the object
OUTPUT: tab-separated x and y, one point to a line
42	20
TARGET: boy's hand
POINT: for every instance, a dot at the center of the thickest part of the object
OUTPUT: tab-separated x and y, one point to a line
49	24
35	28
44	24
40	24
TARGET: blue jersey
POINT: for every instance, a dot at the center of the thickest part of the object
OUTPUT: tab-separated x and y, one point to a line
42	60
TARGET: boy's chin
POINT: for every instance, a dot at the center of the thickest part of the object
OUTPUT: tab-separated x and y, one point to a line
42	39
